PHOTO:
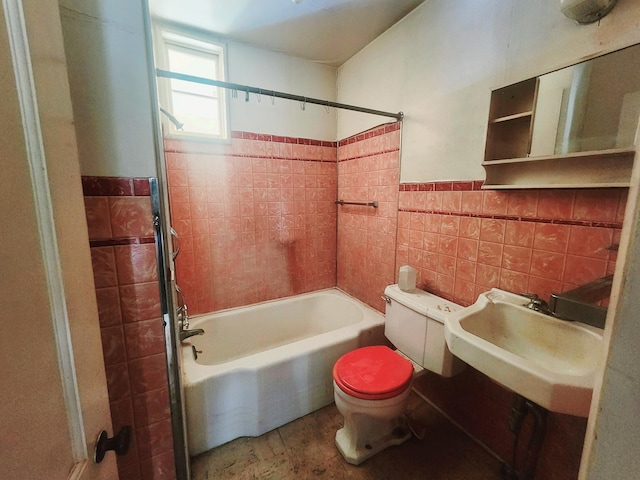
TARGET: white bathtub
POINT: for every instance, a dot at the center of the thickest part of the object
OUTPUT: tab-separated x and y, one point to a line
267	364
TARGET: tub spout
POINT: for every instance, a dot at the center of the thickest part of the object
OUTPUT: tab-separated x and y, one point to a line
184	334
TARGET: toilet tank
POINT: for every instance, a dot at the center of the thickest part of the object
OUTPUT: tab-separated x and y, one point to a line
414	323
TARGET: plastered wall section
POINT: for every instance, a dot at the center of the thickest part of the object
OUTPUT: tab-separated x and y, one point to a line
111	91
439	64
107	66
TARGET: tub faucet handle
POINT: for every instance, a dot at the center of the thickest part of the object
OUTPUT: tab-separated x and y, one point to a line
183	316
195	352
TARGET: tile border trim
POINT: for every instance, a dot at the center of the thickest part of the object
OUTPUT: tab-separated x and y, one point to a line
372	132
238	134
455	186
476	185
117	242
281	139
516	218
98	186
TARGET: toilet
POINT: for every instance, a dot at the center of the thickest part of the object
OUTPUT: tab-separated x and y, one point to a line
372	384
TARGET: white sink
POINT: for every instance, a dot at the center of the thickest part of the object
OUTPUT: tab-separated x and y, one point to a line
549	361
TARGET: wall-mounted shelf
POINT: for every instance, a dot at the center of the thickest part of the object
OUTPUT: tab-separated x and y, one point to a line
511	121
507	159
515	116
608	168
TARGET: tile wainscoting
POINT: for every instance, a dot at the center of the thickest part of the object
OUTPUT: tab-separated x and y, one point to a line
256	218
368	170
118	214
464	241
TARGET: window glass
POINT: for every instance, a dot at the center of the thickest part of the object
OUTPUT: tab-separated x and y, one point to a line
200	108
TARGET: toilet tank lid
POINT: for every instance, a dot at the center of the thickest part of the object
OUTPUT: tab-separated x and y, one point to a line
422	302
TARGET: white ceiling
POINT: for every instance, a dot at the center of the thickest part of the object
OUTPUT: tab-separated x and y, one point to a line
327	31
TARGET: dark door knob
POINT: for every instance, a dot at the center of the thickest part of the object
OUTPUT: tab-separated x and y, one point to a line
118	443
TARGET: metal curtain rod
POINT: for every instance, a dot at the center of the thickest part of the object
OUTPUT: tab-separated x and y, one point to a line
272	93
373	204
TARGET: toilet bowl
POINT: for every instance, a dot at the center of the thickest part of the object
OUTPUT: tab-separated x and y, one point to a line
371	390
372	384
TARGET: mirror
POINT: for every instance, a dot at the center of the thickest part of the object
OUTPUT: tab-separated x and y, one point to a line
591	106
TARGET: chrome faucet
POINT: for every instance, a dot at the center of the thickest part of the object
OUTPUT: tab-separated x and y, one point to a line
537	304
184	334
183	324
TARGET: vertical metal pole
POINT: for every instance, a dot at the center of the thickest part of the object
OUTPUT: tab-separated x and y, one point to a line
172	346
159	199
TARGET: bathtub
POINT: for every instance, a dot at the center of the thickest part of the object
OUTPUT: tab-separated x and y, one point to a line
267	364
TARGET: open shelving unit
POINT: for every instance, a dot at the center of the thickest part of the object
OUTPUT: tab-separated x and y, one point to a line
511	121
607	168
507	159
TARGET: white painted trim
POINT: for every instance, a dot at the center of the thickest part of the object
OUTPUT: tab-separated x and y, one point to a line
621	303
78	470
21	57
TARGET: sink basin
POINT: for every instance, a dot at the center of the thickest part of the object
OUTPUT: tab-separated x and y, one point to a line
549	361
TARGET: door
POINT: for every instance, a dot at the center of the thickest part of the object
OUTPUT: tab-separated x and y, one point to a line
53	388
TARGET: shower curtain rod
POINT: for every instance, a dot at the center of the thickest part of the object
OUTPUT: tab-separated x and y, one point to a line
271	93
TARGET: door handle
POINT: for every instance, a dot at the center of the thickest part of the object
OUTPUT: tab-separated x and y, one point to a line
119	443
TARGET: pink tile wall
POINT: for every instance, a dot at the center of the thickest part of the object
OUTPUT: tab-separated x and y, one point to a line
368	170
124	265
256	218
464	241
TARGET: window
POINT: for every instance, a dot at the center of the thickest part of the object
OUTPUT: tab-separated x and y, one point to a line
201	109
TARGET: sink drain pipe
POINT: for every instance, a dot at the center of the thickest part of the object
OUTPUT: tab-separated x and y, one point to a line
521	408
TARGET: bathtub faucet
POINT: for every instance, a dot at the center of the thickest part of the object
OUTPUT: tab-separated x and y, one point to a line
184	334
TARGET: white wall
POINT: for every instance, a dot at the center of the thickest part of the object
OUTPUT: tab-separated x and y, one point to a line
439	64
274	71
105	46
106	54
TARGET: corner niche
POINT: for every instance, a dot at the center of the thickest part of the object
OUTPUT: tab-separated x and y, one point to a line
572	128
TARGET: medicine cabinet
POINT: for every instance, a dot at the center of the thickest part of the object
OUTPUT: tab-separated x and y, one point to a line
570	128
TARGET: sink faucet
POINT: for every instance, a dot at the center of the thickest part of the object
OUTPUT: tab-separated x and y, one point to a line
537	304
184	334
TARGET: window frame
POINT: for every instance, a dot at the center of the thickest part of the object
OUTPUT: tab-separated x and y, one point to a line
166	37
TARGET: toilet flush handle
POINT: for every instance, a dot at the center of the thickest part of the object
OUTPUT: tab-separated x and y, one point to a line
386	298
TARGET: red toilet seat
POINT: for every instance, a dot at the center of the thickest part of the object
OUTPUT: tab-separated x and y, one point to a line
373	373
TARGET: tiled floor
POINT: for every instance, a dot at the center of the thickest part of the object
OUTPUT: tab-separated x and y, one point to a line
305	449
